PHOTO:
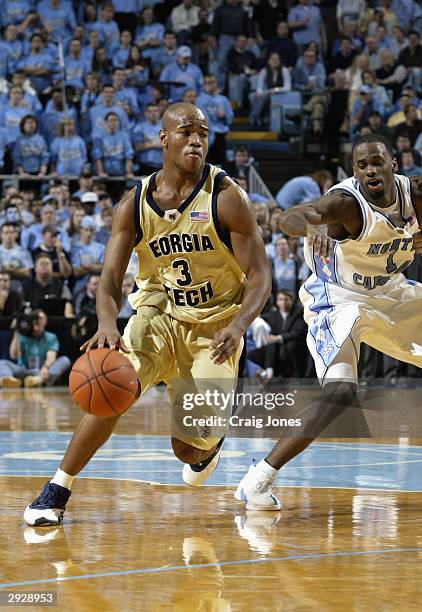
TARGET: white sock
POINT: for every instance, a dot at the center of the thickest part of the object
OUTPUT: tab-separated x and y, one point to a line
266	468
63	479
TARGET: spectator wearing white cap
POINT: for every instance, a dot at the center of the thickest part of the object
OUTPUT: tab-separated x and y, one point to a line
89	202
87	255
185	72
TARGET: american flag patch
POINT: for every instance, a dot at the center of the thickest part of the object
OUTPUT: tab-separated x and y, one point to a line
411	220
199	215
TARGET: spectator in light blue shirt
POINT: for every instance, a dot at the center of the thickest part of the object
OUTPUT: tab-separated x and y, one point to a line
58	18
55	113
87	254
220	113
121	54
127	8
125	96
12	113
408	165
284	267
4	62
30	101
14	11
68	151
309	74
113	152
94	42
106	104
304	20
304	189
167	52
14	259
146	142
38	65
30	154
149	36
108	29
32	236
407	12
309	77
137	72
75	67
12	45
183	71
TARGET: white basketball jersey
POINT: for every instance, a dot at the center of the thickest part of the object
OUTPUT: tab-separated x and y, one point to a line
380	253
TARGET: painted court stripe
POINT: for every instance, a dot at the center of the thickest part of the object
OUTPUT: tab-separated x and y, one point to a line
171	568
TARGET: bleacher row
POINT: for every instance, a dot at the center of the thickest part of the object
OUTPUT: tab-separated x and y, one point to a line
83	86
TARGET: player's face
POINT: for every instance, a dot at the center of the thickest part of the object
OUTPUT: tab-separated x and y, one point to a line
374	169
186	142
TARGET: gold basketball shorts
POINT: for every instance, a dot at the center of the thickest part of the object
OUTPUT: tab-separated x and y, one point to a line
164	349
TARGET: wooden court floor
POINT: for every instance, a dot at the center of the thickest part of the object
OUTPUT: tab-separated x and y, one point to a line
127	544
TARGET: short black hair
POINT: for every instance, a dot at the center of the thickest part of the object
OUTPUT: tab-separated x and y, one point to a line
25	119
367	138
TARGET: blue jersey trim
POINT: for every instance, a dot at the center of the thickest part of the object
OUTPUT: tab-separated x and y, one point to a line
151	185
137	214
223	233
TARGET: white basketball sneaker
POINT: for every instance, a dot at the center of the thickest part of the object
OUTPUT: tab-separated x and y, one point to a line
195	475
255	490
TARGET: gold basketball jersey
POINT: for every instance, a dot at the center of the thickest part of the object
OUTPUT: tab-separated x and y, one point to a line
186	267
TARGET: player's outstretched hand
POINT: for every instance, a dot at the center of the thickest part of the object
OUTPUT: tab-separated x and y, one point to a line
224	343
105	336
323	245
417	241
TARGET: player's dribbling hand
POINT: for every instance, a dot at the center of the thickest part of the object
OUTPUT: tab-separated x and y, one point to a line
417	241
105	336
225	342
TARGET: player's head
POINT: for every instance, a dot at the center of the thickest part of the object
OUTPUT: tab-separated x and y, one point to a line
374	165
184	137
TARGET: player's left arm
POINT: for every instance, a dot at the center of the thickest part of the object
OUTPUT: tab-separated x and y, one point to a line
235	214
416	187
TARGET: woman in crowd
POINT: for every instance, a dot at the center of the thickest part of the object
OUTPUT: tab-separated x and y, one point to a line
68	150
30	153
274	78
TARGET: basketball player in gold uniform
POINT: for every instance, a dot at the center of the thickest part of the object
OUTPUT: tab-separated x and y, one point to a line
203	278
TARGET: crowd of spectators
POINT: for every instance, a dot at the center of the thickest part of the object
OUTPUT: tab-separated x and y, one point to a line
83	86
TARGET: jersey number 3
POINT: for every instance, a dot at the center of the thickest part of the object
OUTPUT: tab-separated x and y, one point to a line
183	266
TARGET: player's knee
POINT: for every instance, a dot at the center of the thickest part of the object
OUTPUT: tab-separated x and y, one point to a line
189	454
342	393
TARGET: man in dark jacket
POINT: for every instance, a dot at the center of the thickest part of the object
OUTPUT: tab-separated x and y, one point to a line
285	354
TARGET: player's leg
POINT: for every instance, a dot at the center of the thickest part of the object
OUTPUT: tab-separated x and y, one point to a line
190	454
202	376
339	386
148	350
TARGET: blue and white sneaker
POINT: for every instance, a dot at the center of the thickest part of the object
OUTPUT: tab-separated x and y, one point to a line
255	489
48	508
194	475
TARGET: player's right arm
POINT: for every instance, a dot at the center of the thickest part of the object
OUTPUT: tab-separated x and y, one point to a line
335	214
116	259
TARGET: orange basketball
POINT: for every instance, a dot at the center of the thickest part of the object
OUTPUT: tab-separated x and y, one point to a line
103	382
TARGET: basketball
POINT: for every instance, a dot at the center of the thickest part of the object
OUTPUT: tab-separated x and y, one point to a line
103	382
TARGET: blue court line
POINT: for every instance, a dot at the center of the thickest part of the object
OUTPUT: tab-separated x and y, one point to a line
171	568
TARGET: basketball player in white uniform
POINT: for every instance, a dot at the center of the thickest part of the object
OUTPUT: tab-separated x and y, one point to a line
360	236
